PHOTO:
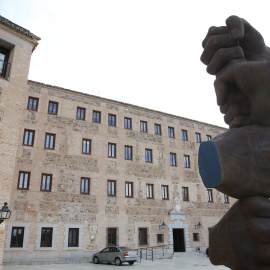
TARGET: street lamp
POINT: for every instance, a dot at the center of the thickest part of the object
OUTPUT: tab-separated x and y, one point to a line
4	213
162	226
199	226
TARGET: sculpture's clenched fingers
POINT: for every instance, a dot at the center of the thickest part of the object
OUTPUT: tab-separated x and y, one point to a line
236	27
237	97
214	43
222	57
214	30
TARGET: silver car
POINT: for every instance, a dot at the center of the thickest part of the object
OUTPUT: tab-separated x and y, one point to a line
117	255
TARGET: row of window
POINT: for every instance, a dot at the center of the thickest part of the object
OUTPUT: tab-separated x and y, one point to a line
46	185
81	112
17	237
29	136
112	237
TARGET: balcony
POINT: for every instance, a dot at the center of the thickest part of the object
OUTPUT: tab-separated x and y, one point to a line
4	69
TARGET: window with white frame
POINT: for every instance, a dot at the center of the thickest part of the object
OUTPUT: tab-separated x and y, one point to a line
129	189
46	182
128	123
32	104
148	155
173	159
28	138
198	137
24	180
143	126
186	161
80	113
53	107
149	191
112	120
157	129
184	135
50	141
85	185
171	132
165	192
210	195
112	150
111	190
86	146
128	152
226	198
96	117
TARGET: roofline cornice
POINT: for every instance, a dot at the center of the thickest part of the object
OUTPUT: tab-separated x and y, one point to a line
123	104
18	28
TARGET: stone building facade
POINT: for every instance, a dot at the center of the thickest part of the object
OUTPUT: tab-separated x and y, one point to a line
82	172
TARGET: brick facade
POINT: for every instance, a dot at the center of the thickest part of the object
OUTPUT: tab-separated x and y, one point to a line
13	91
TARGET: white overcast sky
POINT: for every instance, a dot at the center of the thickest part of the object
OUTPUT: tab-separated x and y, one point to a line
143	52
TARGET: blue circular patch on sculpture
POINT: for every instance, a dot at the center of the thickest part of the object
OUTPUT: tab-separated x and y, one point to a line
209	165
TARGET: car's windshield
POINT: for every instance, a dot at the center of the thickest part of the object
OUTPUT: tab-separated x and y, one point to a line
125	248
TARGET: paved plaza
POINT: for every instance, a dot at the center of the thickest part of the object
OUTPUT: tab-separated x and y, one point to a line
188	260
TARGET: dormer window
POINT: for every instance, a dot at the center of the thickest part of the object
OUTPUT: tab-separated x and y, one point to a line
4	65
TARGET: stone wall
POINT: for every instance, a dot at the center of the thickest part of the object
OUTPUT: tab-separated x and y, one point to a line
65	207
13	92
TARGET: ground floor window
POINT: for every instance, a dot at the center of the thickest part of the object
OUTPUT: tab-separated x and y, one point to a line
196	237
143	236
17	237
160	238
46	237
73	237
112	236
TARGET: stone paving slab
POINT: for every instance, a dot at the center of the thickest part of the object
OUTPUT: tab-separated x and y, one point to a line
187	261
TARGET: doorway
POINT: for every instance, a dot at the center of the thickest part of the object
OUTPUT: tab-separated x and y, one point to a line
178	240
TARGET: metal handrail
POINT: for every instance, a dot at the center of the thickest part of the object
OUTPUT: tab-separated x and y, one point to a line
151	250
4	69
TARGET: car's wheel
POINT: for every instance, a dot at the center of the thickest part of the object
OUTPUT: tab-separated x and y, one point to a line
96	260
118	261
130	263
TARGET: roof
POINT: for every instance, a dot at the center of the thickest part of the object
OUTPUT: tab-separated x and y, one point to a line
18	28
123	103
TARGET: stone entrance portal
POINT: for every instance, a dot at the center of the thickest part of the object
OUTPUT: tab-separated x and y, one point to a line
178	231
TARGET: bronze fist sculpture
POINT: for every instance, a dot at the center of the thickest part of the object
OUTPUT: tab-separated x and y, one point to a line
237	161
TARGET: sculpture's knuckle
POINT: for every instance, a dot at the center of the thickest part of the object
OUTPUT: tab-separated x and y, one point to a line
212	30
